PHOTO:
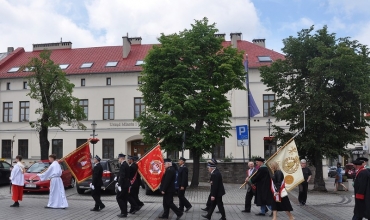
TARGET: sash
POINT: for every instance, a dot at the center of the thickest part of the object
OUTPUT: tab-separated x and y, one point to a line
133	179
277	194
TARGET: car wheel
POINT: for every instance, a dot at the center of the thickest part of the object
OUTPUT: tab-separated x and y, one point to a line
73	183
80	191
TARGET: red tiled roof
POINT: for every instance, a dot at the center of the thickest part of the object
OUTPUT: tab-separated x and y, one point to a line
101	55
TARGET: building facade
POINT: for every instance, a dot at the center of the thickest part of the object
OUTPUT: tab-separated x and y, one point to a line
106	81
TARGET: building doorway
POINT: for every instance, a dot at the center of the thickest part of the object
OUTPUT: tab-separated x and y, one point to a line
139	148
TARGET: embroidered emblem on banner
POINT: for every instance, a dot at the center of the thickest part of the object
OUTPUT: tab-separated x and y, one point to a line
291	164
289	179
155	167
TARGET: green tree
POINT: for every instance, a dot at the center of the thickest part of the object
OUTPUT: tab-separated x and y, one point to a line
51	88
185	80
328	78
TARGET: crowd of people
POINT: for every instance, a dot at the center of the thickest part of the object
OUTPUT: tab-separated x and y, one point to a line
265	185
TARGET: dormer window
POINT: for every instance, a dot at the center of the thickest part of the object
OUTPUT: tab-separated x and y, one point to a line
63	66
264	59
86	65
13	70
111	64
28	69
139	62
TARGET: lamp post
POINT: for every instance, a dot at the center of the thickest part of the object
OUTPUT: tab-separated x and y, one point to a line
268	123
183	144
93	127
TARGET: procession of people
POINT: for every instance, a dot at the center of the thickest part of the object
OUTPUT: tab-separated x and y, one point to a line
265	184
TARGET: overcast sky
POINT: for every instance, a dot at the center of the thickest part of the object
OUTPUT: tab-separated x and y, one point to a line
93	23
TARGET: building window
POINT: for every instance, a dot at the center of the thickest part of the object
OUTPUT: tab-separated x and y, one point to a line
8	86
108	109
139	106
57	147
82	82
86	65
23	148
139	80
108	148
269	147
24	85
218	151
7	111
268	103
24	111
111	64
13	69
6	148
139	62
173	154
63	66
264	59
84	103
80	142
109	81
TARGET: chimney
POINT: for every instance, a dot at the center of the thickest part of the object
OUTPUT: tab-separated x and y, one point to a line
52	46
220	36
135	40
234	39
10	49
126	46
259	42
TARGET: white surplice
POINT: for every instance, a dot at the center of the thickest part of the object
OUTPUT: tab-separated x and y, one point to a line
16	175
57	196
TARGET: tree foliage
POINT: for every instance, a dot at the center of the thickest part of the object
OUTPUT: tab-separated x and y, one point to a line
184	83
50	87
328	78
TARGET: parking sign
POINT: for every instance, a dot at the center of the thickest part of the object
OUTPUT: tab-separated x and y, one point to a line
242	135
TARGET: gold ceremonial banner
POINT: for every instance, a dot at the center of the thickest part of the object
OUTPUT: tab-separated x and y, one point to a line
288	159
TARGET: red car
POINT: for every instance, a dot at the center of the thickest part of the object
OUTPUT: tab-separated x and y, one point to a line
32	182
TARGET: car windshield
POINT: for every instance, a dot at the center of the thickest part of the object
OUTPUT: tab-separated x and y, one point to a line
37	167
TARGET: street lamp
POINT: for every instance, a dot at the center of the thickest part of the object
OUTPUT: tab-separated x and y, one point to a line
93	127
268	123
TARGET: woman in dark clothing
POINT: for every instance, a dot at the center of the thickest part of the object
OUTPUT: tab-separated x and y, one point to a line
279	204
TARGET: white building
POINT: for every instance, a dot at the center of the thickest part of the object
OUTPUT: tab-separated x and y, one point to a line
106	81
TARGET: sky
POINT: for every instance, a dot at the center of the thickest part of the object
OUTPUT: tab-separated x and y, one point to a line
95	23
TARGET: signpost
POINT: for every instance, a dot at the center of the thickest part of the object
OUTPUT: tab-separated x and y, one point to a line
242	139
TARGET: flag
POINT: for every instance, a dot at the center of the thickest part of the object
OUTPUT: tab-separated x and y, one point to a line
251	103
288	159
151	167
79	162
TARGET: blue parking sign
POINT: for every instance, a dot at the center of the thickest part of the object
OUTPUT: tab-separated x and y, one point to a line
242	132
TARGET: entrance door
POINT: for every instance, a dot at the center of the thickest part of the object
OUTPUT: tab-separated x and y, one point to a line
139	148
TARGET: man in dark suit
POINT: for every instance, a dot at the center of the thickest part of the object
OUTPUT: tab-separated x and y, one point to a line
250	191
183	183
137	184
123	185
168	189
208	204
134	186
96	184
217	191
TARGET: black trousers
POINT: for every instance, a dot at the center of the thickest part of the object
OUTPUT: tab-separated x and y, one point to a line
122	200
248	199
96	194
303	188
220	205
131	199
208	204
183	202
168	204
135	195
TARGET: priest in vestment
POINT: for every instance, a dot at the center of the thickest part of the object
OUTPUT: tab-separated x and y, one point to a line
57	196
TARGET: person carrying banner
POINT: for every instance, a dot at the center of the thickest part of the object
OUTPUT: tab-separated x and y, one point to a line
250	192
361	188
137	184
17	181
303	187
366	160
123	185
279	203
57	196
262	181
217	191
183	183
134	186
96	184
168	189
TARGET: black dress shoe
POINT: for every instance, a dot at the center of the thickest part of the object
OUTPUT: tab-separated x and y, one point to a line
260	214
205	216
47	207
16	204
187	209
204	209
217	211
246	211
163	217
179	216
102	207
122	216
95	210
222	218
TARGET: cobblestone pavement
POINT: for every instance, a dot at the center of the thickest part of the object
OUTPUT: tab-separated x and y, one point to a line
330	205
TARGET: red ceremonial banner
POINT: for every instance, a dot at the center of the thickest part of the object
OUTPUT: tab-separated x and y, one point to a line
151	167
79	162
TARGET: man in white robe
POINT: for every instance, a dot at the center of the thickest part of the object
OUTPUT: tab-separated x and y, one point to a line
57	196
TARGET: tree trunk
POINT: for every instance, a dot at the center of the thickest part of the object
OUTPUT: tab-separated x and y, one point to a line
195	177
44	143
319	183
